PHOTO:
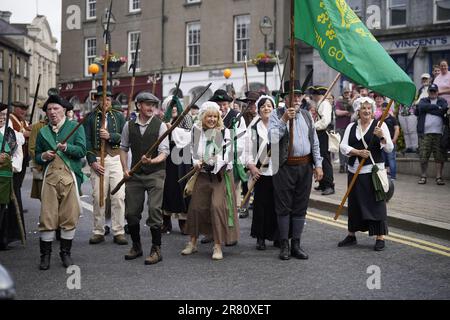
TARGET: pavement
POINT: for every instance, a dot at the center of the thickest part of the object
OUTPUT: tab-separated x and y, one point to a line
423	209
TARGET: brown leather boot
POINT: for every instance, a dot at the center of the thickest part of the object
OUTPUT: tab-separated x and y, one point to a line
155	255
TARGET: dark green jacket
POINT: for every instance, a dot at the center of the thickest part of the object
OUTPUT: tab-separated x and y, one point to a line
76	147
115	120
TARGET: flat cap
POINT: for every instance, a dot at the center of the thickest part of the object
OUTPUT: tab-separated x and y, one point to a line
147	96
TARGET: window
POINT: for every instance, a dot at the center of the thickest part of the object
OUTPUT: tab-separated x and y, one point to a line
25	97
89	53
132	42
193	44
1	59
356	6
91	9
25	69
193	1
396	13
241	38
18	93
10	62
17	66
441	11
134	5
1	90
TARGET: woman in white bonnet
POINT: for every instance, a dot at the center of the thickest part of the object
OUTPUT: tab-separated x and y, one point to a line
212	210
365	213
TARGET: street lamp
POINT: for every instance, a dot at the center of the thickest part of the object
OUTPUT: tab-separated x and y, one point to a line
265	26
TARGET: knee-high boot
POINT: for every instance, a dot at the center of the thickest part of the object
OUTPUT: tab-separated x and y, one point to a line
46	251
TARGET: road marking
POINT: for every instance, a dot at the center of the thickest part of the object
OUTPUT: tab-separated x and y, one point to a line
87	206
393	237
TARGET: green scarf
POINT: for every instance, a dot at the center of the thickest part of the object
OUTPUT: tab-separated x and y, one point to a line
229	197
168	113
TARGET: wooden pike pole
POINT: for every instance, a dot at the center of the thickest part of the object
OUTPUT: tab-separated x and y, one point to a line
292	78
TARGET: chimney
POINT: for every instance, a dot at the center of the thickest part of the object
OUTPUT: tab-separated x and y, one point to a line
5	15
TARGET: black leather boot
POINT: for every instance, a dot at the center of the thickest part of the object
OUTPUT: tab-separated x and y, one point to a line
296	251
66	246
46	251
136	249
284	249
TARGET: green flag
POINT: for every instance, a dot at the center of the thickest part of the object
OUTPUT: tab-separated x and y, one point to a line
346	45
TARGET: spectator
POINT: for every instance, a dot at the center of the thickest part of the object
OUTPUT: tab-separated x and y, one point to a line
443	81
436	72
431	112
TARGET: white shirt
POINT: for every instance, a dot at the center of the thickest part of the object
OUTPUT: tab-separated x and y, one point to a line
324	111
388	146
252	155
199	156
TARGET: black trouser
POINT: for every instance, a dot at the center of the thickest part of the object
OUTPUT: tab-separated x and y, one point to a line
327	180
292	187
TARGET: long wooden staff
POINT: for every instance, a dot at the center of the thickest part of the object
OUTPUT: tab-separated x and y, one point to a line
105	86
247	85
133	78
361	164
292	77
160	139
35	99
193	170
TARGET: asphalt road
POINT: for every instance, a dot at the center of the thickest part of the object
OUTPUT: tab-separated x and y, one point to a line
408	268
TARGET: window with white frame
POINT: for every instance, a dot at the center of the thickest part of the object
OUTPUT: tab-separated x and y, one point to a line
18	93
25	69
134	5
132	43
193	1
441	11
90	50
193	44
17	66
397	10
91	9
241	38
356	6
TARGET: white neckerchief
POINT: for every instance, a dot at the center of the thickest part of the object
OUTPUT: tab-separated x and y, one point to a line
57	127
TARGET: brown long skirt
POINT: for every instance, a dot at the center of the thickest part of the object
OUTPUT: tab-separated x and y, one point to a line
208	210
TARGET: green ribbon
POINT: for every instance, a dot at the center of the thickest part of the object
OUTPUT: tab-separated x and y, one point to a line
168	113
6	169
380	195
229	198
238	168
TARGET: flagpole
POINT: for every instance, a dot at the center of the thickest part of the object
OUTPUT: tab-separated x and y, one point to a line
361	164
292	77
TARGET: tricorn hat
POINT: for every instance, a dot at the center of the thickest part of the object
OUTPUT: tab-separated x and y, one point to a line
58	100
100	91
250	96
287	87
19	104
3	106
319	90
220	95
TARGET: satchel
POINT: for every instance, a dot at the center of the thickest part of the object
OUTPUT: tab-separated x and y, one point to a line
189	188
334	139
382	175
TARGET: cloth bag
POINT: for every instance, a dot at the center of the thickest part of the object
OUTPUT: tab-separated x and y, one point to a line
189	188
334	139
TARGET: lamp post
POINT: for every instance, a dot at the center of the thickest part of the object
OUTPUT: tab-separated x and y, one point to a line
265	26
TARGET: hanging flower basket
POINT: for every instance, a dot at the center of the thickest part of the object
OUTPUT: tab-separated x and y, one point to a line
114	62
264	62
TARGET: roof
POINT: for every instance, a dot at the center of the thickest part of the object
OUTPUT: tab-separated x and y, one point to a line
10	44
11	29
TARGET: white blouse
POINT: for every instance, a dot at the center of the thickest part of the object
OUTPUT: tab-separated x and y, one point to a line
17	157
252	154
219	160
388	146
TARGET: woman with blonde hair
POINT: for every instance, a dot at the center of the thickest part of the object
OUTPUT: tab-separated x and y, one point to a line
212	210
364	139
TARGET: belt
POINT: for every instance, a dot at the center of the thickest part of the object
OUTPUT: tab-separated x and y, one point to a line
295	161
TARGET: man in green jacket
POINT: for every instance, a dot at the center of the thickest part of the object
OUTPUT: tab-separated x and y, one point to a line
111	171
60	199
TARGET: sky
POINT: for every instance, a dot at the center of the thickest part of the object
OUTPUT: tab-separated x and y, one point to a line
24	11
